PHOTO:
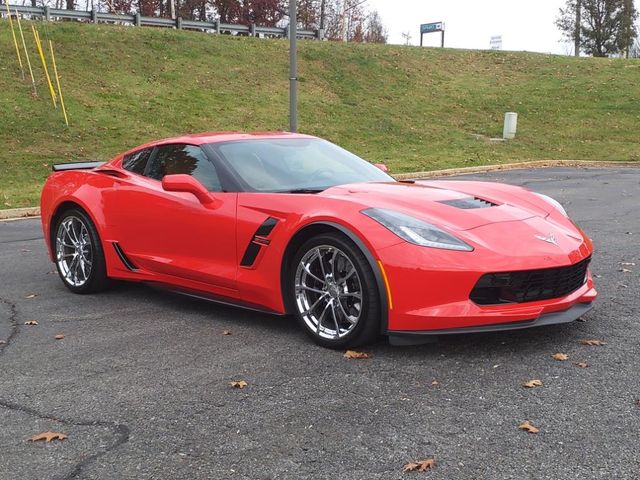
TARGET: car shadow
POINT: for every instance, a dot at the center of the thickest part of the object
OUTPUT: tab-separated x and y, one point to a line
550	338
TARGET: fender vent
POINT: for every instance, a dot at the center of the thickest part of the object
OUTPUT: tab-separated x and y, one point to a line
469	203
258	241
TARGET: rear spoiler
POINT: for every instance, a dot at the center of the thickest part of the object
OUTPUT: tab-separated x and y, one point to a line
60	167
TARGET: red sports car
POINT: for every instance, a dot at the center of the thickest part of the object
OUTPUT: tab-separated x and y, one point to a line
289	223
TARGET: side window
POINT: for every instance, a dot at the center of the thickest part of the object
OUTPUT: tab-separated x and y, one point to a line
189	159
137	162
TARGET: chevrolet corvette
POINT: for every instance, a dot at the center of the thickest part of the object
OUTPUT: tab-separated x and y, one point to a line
293	224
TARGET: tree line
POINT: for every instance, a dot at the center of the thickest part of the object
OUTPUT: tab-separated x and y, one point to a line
347	20
600	28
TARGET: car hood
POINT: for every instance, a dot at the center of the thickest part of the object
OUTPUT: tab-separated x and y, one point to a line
454	205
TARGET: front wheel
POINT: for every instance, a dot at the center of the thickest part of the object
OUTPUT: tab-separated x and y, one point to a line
334	292
78	252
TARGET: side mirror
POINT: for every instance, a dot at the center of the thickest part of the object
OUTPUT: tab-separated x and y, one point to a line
186	183
382	167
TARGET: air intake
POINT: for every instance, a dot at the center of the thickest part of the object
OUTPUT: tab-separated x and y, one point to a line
469	203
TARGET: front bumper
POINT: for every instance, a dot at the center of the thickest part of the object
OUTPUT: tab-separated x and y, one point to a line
431	294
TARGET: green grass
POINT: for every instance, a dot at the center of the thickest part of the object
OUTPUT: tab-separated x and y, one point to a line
412	108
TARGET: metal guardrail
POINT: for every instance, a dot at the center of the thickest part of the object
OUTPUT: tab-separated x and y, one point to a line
52	14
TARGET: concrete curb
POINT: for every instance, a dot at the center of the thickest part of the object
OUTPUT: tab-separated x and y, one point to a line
515	166
17	213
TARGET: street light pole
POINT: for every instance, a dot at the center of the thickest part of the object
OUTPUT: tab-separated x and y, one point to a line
293	67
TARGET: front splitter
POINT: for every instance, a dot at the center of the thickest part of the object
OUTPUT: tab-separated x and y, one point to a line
420	337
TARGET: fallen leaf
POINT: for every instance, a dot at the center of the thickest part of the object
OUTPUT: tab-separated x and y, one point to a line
533	384
582	364
528	427
59	337
31	295
238	384
561	357
226	332
354	354
31	322
48	437
592	343
435	383
2	342
420	465
581	320
25	250
627	264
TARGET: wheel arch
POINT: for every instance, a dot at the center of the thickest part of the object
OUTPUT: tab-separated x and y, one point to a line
317	228
57	213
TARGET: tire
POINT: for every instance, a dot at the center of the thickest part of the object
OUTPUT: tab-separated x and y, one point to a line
343	310
78	252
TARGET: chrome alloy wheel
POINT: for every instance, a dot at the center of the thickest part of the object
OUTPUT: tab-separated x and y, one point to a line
74	251
328	292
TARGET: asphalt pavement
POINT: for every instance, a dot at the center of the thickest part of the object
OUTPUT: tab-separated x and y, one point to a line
140	381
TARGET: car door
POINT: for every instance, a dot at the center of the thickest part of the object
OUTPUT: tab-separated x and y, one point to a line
173	233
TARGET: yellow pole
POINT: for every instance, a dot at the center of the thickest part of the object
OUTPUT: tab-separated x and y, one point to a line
26	54
15	41
55	72
44	66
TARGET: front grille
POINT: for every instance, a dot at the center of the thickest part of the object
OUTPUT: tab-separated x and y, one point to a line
529	285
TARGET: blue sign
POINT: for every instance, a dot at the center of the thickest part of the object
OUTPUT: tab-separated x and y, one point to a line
431	27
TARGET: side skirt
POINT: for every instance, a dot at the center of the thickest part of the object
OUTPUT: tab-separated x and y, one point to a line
209	297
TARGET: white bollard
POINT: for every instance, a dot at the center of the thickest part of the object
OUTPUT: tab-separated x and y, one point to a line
510	125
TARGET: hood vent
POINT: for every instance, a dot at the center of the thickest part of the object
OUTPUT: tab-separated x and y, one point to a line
469	203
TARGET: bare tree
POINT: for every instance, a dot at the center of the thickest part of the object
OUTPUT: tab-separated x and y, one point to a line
407	37
376	32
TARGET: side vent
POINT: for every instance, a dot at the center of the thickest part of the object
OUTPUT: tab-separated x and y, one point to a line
258	241
123	258
469	203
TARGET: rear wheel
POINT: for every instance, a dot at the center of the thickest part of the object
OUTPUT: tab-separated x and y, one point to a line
78	253
334	292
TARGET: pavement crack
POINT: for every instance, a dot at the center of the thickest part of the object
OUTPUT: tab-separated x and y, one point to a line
120	431
22	240
13	320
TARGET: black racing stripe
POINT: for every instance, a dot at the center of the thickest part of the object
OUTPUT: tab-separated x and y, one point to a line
265	229
250	254
123	258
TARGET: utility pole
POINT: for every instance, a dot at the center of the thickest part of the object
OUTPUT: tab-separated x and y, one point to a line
344	21
293	66
323	11
576	35
628	21
407	38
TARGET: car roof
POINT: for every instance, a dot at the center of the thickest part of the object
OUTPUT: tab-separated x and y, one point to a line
216	137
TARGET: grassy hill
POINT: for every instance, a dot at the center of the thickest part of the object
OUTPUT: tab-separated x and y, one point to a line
412	108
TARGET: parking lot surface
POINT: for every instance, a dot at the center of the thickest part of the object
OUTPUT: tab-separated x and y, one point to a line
140	381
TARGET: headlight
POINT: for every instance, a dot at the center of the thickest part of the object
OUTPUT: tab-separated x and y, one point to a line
553	202
414	230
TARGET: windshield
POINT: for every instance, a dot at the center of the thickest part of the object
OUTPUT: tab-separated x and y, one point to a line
302	165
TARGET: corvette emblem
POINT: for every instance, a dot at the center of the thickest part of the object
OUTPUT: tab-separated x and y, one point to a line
550	239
